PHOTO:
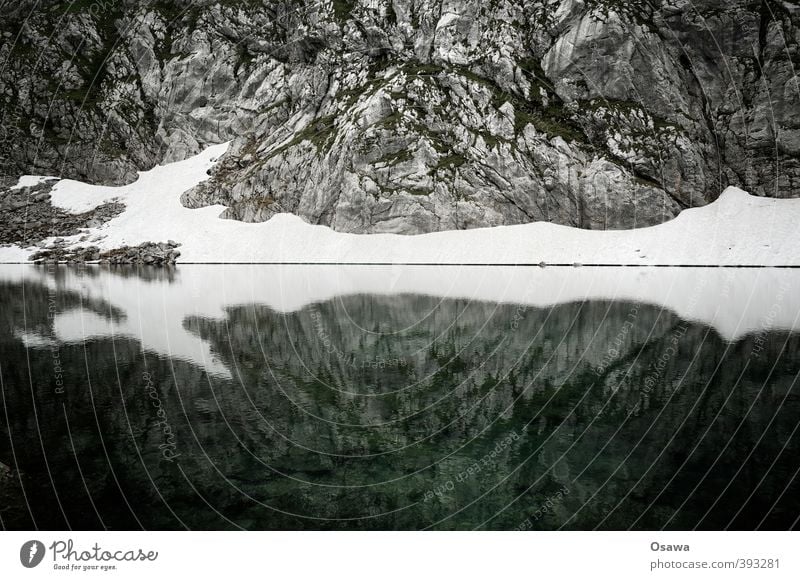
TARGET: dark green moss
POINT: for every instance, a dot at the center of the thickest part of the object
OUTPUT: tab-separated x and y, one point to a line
391	120
396	157
342	9
422	69
453	161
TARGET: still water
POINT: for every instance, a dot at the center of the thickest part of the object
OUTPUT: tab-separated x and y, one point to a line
324	397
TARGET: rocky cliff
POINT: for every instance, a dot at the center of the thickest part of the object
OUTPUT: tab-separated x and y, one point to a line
412	116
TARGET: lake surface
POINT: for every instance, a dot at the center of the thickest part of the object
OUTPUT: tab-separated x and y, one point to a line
303	397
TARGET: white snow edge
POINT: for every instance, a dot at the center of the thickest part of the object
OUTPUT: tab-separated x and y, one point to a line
737	230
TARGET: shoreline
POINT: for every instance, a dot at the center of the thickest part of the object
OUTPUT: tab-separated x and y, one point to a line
414	264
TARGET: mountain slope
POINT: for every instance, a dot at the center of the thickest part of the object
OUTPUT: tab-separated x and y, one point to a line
412	116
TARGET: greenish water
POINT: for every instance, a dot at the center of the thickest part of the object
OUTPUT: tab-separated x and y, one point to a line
382	411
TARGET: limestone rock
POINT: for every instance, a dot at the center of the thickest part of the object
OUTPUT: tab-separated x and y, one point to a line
409	117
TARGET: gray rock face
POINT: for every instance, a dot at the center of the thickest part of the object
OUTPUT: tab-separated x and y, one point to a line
28	218
149	254
414	116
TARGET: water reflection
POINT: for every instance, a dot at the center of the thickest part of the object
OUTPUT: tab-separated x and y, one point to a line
295	398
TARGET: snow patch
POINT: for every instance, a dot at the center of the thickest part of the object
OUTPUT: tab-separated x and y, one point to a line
31	181
737	229
447	19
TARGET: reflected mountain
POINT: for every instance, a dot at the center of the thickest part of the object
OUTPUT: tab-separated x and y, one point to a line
395	409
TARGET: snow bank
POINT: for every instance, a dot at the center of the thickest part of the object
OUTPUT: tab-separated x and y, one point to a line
737	229
31	181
